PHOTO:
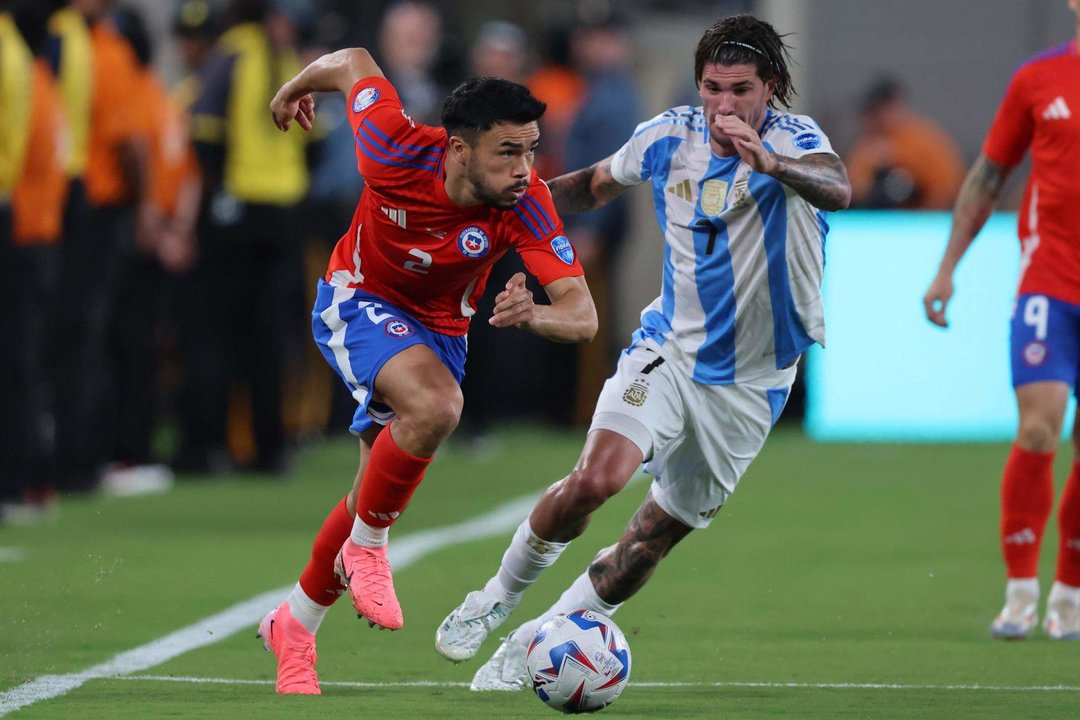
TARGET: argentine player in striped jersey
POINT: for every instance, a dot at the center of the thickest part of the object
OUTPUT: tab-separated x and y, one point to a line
740	191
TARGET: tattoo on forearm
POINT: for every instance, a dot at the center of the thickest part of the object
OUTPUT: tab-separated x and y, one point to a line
975	202
572	192
820	179
621	570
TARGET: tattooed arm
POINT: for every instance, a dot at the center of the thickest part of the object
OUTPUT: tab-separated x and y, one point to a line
820	179
586	189
978	195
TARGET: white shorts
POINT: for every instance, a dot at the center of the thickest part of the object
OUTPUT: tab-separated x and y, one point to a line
697	439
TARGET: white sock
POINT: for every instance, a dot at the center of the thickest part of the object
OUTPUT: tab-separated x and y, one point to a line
367	536
527	557
1067	593
1023	586
307	611
580	595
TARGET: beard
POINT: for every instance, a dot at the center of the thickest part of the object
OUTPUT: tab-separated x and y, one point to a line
489	195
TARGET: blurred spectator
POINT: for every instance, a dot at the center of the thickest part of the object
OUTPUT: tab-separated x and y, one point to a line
409	39
17	99
561	86
247	277
142	287
608	114
500	50
901	160
108	207
196	25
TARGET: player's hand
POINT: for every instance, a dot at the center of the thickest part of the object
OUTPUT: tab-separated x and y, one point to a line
747	143
514	306
937	298
286	110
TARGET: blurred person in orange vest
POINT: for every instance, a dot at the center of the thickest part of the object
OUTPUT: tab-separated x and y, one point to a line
562	87
108	208
16	94
901	160
144	288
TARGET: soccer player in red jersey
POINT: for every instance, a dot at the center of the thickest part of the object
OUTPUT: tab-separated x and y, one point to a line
440	206
1040	111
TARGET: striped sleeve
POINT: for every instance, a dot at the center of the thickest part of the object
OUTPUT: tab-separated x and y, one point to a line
388	142
538	236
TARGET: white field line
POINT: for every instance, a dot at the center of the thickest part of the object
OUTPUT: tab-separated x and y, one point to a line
634	683
403	552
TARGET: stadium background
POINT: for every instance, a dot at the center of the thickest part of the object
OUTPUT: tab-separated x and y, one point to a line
832	579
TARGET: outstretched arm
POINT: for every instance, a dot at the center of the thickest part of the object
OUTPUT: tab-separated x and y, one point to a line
570	318
586	189
978	195
336	71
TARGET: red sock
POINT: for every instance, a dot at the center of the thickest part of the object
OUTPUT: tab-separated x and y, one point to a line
1068	564
389	480
1027	495
318	580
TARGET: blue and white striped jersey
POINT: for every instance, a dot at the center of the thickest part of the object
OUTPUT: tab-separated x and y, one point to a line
743	254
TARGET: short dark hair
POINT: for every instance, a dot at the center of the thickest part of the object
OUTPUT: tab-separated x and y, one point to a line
745	40
477	104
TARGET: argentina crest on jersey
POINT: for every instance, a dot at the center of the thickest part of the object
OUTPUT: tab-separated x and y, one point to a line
562	247
473	242
365	98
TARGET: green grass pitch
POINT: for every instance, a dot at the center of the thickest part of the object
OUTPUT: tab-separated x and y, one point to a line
835	568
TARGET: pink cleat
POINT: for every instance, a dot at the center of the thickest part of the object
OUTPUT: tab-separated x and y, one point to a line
294	647
365	572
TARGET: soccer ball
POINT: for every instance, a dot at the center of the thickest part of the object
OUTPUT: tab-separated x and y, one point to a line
578	662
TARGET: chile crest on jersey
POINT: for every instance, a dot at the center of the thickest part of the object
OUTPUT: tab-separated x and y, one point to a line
473	242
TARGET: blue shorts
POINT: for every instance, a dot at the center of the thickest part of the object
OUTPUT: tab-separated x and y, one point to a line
1045	340
358	332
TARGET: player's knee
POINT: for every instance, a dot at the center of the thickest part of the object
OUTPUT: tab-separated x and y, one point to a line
434	412
1038	434
589	489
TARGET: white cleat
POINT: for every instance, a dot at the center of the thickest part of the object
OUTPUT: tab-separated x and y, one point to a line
1063	613
505	671
1019	617
465	629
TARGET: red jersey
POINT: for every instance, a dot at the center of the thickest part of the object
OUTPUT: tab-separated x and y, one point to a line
1041	109
410	244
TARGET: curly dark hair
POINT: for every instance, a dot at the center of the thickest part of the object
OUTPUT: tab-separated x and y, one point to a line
745	40
477	104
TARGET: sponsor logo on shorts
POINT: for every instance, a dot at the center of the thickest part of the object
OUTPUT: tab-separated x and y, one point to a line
364	99
1035	353
808	141
473	242
710	514
563	249
635	394
396	328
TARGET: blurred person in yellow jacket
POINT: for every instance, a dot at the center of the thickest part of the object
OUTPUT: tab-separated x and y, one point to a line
253	178
108	206
16	92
